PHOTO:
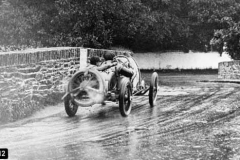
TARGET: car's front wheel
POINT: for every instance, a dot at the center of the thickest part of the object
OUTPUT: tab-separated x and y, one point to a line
153	89
70	106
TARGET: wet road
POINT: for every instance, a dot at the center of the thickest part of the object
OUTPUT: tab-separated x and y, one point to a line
192	120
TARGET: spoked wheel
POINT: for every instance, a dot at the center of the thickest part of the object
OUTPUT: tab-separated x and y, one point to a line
70	107
125	97
153	89
87	88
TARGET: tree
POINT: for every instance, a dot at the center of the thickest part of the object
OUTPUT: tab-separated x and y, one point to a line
230	36
142	25
206	16
25	22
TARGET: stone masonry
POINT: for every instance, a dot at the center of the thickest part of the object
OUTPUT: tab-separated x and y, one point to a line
229	70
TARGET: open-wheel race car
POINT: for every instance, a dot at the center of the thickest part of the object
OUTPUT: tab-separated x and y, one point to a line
117	79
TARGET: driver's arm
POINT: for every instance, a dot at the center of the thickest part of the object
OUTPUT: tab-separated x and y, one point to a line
106	66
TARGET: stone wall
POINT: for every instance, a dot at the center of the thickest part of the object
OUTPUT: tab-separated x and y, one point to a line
229	70
32	79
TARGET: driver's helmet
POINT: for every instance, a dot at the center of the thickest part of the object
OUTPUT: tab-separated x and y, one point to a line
108	56
94	60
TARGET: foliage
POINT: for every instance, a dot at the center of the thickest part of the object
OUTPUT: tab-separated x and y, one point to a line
230	36
134	24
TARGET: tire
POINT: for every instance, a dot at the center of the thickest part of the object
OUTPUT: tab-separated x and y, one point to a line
125	97
70	107
153	89
84	97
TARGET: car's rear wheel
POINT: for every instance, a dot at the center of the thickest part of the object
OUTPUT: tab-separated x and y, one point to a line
125	97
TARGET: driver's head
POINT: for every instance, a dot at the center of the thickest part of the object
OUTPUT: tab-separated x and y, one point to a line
108	56
95	60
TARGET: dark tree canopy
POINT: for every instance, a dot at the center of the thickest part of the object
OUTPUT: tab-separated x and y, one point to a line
142	25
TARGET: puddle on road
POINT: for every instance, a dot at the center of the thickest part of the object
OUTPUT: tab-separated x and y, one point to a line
164	90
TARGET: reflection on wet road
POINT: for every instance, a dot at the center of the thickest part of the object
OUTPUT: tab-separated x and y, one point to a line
192	120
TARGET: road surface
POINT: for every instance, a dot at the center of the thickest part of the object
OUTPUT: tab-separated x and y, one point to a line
192	120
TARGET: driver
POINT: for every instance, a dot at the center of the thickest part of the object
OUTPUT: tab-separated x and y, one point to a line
104	67
96	63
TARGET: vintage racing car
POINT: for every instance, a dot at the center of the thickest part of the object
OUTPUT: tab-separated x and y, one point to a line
118	82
